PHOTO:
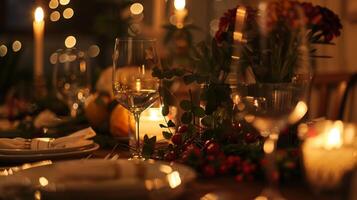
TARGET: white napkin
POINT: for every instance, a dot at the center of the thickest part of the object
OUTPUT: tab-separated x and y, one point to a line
77	139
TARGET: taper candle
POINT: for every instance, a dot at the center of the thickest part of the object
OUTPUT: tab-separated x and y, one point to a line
38	31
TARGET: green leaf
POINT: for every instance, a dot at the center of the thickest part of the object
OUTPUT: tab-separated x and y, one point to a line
198	111
146	138
165	110
167	135
178	72
156	72
186	117
152	140
185	105
162	126
188	79
170	124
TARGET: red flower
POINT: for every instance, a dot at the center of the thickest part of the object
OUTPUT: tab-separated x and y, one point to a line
323	23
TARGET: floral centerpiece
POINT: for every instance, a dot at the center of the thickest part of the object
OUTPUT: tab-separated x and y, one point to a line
209	139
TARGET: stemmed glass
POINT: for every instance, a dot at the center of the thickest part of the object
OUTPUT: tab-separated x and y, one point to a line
71	78
274	72
134	87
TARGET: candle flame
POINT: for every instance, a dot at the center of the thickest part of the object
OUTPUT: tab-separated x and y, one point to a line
39	15
138	84
180	4
334	139
155	114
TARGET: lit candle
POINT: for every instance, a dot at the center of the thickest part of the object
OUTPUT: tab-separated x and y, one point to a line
329	155
38	31
180	12
150	121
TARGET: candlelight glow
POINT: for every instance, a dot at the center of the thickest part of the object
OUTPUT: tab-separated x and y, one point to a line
298	113
180	4
333	137
136	8
43	181
138	84
155	114
39	15
70	41
174	179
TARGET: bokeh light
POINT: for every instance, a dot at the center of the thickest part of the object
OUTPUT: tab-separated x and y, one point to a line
93	51
64	2
16	46
53	58
70	41
55	16
68	13
136	8
3	50
53	4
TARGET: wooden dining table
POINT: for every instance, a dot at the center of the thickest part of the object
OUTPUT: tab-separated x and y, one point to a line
227	188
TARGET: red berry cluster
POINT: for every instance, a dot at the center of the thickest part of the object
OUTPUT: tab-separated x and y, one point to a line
208	157
321	21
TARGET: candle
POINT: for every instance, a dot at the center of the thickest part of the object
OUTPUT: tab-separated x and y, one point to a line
150	121
180	12
330	154
38	31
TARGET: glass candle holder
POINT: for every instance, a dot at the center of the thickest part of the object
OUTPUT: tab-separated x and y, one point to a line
329	152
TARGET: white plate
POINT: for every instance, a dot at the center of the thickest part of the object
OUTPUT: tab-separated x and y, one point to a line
26	156
101	179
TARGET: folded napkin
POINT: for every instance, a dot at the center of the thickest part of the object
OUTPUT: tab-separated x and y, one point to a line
77	139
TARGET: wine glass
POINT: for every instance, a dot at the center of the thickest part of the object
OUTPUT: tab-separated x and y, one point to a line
272	58
71	78
134	87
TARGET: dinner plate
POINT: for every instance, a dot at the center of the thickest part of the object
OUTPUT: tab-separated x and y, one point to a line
100	179
31	155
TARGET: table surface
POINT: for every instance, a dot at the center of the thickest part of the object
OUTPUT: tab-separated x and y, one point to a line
226	188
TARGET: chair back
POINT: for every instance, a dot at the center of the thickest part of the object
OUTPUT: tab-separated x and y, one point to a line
328	95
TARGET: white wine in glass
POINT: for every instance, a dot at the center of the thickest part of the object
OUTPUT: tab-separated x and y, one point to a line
134	87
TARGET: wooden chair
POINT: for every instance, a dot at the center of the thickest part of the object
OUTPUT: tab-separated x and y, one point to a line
330	90
352	83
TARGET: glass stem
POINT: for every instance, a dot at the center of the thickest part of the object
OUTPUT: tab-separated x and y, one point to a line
137	131
272	172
